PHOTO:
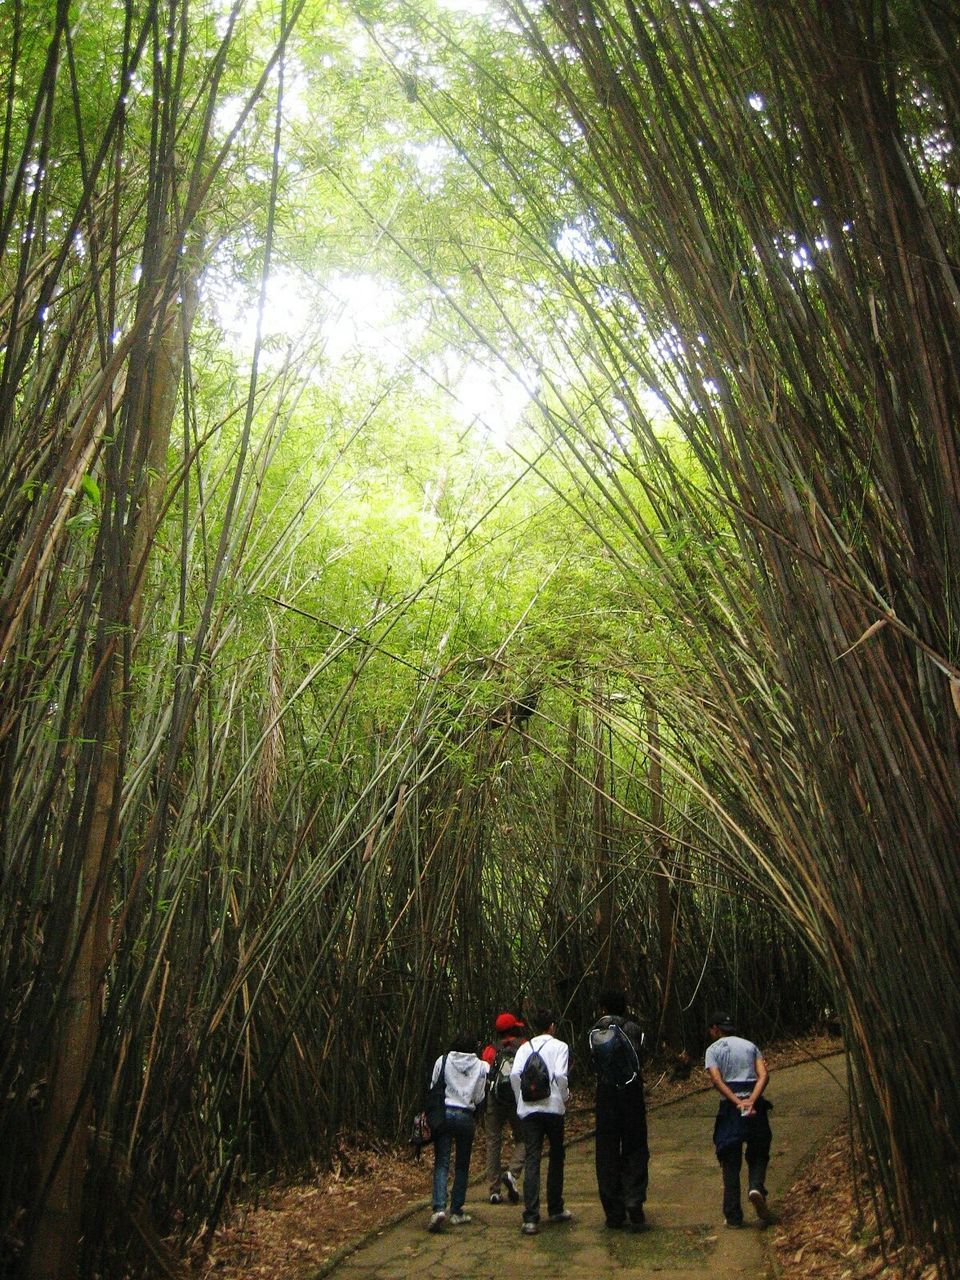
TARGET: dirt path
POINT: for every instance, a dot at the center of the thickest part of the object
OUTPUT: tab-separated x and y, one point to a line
686	1240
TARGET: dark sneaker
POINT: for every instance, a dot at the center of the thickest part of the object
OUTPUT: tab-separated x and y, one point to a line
496	1198
759	1202
437	1222
563	1216
638	1221
616	1224
733	1222
530	1228
513	1191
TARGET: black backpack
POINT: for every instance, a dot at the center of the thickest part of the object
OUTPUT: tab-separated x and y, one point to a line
434	1107
613	1055
535	1078
498	1081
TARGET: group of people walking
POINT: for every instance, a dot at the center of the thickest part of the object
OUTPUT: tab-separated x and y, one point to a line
521	1081
497	1076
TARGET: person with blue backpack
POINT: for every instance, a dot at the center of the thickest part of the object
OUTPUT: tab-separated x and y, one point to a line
622	1153
539	1079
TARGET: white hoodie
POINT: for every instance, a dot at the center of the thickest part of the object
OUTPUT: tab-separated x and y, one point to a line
466	1077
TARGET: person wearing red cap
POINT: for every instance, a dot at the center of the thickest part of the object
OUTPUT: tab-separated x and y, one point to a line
502	1109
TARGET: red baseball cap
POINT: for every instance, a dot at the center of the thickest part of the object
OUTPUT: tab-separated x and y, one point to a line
507	1022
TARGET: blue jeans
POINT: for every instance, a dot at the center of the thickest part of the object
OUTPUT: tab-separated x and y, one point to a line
457	1132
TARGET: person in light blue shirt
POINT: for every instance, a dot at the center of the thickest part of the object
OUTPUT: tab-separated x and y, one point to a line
739	1074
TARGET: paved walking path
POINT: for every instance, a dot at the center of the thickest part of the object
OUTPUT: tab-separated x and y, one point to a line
686	1239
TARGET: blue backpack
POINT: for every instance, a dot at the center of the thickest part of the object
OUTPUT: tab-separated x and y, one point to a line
613	1056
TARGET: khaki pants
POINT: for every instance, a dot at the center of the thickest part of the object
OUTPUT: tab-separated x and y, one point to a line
502	1115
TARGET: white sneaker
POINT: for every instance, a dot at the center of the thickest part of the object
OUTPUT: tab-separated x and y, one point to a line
530	1228
437	1222
496	1198
759	1202
513	1191
459	1219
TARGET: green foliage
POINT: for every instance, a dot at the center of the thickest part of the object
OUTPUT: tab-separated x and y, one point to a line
513	449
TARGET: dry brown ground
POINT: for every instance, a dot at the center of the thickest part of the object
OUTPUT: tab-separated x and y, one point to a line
827	1227
293	1230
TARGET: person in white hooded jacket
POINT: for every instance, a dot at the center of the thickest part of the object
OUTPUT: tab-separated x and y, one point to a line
465	1077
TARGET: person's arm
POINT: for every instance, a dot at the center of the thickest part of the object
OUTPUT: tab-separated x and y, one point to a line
480	1086
563	1068
745	1104
763	1075
721	1086
635	1032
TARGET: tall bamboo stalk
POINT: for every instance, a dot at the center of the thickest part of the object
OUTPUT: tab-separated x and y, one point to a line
767	189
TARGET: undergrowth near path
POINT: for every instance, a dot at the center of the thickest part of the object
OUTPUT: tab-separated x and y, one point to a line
827	1228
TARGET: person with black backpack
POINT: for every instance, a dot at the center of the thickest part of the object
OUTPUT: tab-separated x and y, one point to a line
622	1151
539	1079
502	1109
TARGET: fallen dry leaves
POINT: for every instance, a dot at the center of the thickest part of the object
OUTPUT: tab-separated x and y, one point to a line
827	1228
295	1229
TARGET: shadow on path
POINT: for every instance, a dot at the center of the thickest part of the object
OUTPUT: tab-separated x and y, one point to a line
686	1239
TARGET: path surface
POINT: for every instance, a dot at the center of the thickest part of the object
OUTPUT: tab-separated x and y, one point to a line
686	1239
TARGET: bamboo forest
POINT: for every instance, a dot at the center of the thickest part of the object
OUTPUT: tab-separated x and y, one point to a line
480	522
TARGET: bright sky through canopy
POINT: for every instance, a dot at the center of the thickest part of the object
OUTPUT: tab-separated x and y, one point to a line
353	315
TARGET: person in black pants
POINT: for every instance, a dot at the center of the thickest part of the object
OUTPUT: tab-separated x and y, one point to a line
622	1151
541	1119
739	1074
